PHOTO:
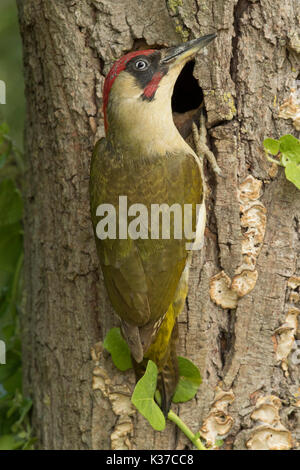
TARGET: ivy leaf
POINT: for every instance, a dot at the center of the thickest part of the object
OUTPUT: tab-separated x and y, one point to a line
292	173
118	348
143	398
271	146
189	381
290	148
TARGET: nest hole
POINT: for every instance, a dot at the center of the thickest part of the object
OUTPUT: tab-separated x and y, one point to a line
187	99
187	94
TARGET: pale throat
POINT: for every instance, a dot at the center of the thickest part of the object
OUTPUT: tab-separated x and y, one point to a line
145	126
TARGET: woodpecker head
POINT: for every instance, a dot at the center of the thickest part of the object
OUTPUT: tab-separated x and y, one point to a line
138	89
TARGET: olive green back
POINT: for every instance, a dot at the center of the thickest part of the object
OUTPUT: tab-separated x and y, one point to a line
141	275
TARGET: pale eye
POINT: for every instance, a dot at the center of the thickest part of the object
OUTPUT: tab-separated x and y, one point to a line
141	65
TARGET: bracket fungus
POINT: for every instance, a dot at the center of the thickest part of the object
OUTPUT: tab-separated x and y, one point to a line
244	282
249	190
224	291
269	434
118	395
285	338
294	282
220	291
290	108
218	422
285	334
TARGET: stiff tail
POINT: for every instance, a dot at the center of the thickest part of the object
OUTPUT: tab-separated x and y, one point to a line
168	377
163	349
163	352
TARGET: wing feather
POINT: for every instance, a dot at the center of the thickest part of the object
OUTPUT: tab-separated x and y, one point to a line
142	275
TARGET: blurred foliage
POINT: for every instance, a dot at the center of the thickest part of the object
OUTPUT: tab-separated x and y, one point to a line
15	430
11	70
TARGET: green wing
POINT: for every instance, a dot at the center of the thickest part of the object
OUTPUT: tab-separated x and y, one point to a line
141	276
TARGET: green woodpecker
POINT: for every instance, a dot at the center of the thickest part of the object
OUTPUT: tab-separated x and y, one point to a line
144	158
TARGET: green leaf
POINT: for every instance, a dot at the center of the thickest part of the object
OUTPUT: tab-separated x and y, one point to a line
189	381
292	173
11	205
8	442
118	348
290	149
271	146
143	398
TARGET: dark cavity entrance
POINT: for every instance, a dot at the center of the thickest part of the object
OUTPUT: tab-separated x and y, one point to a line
187	94
187	99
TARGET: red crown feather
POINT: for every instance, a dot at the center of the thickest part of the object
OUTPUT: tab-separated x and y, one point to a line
118	66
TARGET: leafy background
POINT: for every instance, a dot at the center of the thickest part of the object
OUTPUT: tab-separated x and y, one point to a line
15	431
11	70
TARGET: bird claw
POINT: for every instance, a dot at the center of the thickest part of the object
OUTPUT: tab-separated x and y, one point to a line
202	149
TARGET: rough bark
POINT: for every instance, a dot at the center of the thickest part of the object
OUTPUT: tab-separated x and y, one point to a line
68	48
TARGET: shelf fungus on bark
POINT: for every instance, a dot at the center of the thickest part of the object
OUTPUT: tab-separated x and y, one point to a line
107	380
244	282
224	291
285	334
220	291
218	422
285	338
249	190
269	434
290	108
293	284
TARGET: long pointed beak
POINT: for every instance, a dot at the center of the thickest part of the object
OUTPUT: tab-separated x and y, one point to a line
187	50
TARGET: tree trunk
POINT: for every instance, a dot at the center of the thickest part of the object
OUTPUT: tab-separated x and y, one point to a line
80	400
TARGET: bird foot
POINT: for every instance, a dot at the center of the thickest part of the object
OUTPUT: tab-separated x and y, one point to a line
199	136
